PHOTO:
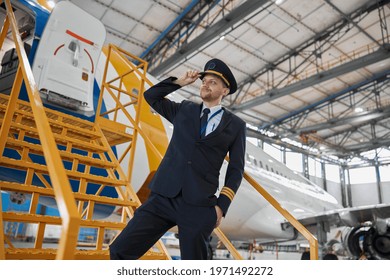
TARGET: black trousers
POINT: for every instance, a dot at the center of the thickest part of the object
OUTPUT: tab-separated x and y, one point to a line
155	217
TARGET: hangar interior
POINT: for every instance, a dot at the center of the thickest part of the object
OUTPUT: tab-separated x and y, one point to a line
313	76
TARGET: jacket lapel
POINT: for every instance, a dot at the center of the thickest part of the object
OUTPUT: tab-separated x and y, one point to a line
197	121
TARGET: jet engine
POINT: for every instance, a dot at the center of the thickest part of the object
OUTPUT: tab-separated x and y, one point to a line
368	242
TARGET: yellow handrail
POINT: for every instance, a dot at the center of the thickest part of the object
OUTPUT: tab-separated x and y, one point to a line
298	226
62	189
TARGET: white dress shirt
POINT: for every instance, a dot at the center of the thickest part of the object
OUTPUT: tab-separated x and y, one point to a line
213	123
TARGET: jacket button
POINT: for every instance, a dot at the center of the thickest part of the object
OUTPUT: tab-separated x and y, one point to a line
189	162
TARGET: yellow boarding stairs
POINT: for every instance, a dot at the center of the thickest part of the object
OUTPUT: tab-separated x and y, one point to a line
73	150
84	149
54	149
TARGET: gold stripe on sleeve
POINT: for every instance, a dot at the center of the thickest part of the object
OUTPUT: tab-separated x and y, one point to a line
228	192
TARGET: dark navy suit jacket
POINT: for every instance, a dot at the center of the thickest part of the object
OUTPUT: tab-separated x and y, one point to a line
192	165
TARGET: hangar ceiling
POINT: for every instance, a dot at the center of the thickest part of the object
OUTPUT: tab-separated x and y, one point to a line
313	75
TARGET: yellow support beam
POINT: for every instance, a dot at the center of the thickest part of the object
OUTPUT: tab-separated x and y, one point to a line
228	244
7	120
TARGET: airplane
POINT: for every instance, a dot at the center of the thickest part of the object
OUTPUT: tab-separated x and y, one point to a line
61	50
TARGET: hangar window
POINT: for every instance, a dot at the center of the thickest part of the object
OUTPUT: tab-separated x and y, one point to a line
362	175
294	161
332	173
315	168
385	173
273	151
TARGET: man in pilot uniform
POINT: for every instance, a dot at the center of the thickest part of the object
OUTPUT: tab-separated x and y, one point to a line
184	187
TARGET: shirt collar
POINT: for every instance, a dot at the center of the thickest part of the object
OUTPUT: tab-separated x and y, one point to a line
212	109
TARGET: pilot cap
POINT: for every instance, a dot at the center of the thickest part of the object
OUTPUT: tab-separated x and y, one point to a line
219	68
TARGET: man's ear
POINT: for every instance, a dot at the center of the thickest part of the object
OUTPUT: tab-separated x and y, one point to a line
226	92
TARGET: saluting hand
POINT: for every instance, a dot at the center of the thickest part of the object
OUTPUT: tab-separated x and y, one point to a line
188	78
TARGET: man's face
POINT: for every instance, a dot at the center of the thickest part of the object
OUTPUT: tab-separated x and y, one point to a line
213	88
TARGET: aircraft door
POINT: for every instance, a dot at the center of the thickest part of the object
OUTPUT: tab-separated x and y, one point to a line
65	63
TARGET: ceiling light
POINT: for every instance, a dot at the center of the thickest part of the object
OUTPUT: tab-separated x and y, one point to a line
222	38
278	2
358	110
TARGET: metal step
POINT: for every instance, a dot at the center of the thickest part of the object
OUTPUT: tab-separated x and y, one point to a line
76	128
16	187
54	220
58	121
50	254
80	254
36	149
32	132
24	165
